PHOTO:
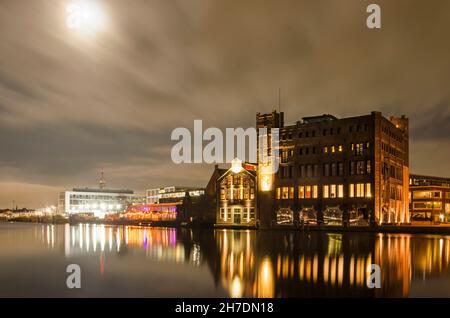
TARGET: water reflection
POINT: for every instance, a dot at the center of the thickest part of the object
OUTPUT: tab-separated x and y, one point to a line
158	243
258	263
293	265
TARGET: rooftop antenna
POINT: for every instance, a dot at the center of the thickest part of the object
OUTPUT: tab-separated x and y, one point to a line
102	182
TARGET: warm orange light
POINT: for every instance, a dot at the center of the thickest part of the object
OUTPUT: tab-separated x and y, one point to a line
265	178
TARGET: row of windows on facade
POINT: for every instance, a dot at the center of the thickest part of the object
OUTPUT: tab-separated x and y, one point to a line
429	182
358	149
436	205
391	150
81	202
430	195
238	180
326	131
329	191
333	169
392	171
240	193
99	197
244	213
391	134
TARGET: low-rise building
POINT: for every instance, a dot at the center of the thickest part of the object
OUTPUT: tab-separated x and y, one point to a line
171	194
97	202
429	198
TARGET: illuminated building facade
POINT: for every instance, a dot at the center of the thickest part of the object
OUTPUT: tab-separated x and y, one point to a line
171	194
153	212
236	190
97	202
429	198
349	171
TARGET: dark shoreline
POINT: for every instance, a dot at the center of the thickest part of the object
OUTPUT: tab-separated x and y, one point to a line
403	229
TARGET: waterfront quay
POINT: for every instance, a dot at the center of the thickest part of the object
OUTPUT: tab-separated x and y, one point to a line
414	228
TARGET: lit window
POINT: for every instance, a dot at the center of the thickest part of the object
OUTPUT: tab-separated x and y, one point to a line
301	192
291	192
359	150
308	192
340	148
333	191
315	192
368	190
285	192
427	194
427	205
340	191
325	149
360	190
278	193
351	190
326	191
333	149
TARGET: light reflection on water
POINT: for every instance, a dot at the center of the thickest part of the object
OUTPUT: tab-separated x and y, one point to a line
236	263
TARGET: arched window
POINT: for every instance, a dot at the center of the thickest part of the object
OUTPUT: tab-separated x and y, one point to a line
285	216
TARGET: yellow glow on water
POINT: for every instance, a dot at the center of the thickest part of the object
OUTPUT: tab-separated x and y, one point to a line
266	286
236	288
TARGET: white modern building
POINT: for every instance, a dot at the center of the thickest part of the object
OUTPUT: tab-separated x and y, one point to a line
95	201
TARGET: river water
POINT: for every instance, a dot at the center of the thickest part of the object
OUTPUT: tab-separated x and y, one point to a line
130	261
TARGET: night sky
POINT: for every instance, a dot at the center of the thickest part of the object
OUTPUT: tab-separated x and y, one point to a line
72	104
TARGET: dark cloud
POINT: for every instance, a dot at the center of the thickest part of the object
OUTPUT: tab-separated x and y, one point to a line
71	105
433	125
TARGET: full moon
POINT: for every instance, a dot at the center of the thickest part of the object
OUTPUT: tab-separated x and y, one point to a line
85	16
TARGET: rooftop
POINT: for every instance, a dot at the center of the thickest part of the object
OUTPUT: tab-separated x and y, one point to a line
98	190
318	119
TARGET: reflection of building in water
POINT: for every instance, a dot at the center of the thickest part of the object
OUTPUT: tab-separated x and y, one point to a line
269	264
157	243
393	254
240	271
430	256
255	264
263	264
